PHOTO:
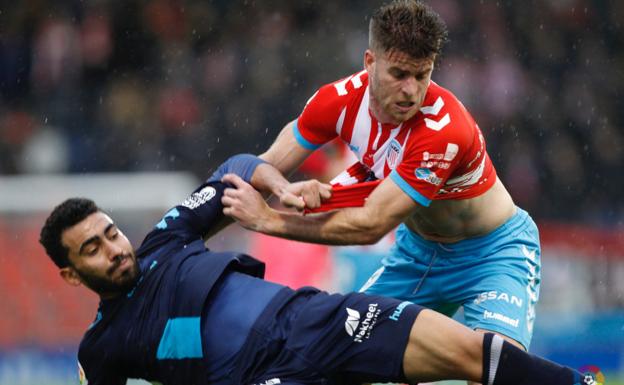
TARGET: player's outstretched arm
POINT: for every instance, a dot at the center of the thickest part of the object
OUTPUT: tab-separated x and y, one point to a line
441	348
386	207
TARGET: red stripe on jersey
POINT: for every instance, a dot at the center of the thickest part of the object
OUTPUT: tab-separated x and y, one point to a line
346	196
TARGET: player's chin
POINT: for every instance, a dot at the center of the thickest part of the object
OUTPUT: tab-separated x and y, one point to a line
128	277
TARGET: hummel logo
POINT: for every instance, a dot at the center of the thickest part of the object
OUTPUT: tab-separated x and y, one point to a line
437	125
353	320
435	109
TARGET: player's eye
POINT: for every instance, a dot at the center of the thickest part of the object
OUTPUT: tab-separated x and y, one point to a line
398	74
92	251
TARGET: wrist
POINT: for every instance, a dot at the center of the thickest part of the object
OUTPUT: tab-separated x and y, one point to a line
268	222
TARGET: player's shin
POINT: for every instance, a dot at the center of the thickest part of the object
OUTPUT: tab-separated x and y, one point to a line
505	364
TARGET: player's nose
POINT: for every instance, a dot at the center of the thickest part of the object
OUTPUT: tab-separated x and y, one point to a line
409	86
113	250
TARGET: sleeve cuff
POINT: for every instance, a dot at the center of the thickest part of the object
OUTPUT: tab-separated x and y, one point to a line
409	190
303	141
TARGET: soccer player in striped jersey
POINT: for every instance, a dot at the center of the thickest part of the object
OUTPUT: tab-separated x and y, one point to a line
461	240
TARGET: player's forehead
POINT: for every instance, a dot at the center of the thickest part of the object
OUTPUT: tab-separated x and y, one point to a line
93	225
402	60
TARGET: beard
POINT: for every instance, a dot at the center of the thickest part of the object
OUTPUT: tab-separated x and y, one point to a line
108	286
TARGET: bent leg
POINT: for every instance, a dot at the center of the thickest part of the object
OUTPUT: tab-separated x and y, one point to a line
506	338
440	348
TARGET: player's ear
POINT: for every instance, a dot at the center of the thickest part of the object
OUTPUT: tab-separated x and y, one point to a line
70	276
369	60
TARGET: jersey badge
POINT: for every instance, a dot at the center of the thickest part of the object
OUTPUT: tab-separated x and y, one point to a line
393	154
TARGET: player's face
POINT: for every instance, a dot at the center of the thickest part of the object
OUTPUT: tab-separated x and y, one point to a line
100	256
398	84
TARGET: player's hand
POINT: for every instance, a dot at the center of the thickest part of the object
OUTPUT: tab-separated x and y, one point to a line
309	193
244	203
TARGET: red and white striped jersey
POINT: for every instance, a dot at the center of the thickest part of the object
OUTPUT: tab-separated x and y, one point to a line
437	154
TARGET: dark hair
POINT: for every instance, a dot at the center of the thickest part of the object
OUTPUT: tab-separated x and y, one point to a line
408	26
64	216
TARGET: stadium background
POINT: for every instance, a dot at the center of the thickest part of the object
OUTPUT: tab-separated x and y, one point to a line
133	102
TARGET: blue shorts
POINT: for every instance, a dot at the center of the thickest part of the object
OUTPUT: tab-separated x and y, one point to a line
496	277
311	337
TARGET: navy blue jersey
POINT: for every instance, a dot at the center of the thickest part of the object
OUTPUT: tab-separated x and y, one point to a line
155	330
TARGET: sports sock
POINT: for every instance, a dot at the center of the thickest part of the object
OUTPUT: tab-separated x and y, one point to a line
505	364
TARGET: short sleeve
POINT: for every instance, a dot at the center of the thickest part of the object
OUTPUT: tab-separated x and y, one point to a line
432	157
317	123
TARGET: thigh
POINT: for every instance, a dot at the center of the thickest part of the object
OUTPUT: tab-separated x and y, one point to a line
504	300
405	275
344	336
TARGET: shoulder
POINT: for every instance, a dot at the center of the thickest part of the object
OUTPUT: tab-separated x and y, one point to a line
336	95
442	115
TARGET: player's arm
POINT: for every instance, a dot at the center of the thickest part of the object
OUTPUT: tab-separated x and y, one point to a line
299	138
201	214
386	207
286	153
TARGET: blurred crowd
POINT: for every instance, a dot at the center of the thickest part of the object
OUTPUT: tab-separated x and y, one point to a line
158	85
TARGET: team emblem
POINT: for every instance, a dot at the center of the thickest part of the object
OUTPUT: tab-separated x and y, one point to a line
393	154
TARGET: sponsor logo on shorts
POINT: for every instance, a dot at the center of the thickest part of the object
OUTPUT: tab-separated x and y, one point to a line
373	278
352	322
199	198
361	329
502	318
399	309
498	296
533	278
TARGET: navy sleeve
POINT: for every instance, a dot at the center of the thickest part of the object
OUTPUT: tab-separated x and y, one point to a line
203	208
242	165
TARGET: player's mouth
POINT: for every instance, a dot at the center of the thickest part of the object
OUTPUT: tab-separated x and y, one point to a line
404	106
120	265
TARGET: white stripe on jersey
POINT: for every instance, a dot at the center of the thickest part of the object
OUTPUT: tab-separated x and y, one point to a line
361	129
340	121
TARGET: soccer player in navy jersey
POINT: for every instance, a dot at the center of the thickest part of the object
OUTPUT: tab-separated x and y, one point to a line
177	313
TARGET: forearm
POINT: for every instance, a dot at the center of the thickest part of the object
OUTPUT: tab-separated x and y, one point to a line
343	227
268	179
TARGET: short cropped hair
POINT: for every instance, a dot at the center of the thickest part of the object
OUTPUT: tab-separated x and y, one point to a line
64	216
408	26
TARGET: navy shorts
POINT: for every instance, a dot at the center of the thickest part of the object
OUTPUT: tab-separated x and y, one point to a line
312	337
